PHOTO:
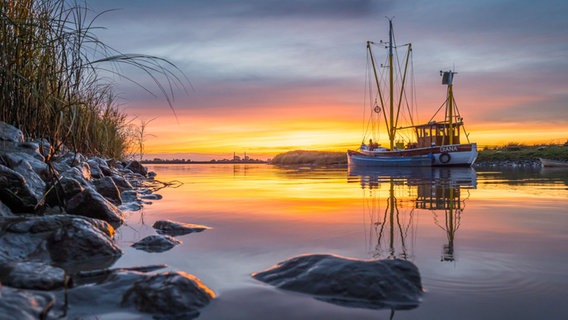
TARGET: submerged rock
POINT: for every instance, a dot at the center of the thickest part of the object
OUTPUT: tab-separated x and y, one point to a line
167	295
176	228
171	293
71	241
81	245
372	284
97	276
153	196
24	305
156	243
32	275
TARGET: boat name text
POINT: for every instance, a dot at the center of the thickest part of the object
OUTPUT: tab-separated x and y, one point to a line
448	149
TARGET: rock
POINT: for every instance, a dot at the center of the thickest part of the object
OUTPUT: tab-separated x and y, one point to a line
153	196
31	149
81	245
136	167
168	295
84	170
44	147
108	189
132	206
71	158
96	171
101	166
136	180
176	228
156	243
129	196
22	166
121	183
24	305
529	164
116	164
15	192
10	133
76	174
32	275
64	189
13	158
5	211
90	203
67	240
372	284
51	223
173	293
130	200
60	166
97	276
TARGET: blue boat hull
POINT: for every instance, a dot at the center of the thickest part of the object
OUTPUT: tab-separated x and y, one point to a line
357	159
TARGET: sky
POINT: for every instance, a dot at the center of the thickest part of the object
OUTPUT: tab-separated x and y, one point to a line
270	76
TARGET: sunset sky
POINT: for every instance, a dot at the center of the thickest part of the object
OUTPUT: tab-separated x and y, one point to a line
271	76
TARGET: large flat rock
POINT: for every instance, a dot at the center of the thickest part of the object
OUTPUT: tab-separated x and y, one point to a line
372	284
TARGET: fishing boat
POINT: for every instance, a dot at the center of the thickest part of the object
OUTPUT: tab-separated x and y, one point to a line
434	143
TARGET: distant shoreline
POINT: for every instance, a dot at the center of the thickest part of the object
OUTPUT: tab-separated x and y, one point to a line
203	162
515	155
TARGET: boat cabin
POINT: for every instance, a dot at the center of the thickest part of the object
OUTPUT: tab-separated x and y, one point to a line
437	133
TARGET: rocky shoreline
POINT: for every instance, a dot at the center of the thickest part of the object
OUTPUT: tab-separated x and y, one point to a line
57	225
509	164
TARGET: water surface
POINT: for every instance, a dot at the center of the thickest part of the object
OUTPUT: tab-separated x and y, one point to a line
489	245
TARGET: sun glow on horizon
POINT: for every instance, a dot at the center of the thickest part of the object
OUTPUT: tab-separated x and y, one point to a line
268	136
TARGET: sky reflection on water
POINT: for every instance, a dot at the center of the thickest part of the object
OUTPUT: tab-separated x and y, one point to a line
488	245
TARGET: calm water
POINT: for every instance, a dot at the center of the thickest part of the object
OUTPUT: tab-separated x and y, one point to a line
489	245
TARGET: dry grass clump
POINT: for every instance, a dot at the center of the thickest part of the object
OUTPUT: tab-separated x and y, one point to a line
314	158
50	83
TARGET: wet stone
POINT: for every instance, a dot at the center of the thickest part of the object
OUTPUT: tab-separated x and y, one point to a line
172	294
156	243
24	305
371	284
32	275
173	228
90	203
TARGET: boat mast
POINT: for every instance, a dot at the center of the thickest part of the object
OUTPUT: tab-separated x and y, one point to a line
391	119
448	78
391	87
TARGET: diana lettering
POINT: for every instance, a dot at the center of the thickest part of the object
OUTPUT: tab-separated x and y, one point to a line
448	148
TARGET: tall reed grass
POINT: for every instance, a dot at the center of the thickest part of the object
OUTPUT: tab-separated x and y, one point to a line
50	77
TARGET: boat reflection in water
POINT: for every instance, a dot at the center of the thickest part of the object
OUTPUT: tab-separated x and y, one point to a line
395	196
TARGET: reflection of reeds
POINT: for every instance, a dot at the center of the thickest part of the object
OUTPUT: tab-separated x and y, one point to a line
317	158
50	83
